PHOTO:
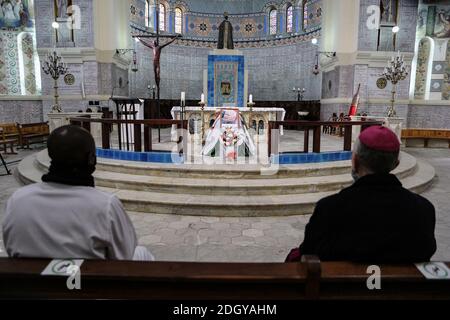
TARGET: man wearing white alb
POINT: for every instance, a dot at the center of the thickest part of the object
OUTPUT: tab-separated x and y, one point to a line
65	216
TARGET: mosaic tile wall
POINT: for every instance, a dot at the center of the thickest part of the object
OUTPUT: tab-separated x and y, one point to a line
273	71
422	68
249	18
17	67
434	23
26	111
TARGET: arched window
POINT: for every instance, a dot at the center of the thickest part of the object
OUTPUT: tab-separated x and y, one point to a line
162	17
178	20
305	15
147	13
289	19
272	21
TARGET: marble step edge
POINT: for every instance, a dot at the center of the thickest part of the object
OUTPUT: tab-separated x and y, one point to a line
221	205
226	172
422	176
205	170
229	186
239	206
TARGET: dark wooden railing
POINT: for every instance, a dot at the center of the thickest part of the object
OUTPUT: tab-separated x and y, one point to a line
316	127
138	125
310	279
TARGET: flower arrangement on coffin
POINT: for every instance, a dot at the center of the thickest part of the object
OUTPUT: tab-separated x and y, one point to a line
229	139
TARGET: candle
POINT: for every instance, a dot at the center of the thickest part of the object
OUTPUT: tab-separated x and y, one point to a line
250	99
183	96
202	98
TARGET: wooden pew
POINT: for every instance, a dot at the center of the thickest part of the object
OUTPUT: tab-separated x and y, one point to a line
9	136
33	133
426	135
311	279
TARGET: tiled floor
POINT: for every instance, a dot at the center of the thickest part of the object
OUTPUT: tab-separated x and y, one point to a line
186	238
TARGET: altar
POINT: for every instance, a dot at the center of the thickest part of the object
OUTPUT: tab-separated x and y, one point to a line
256	119
225	96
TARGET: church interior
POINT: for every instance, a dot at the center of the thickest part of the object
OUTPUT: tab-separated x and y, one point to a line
220	124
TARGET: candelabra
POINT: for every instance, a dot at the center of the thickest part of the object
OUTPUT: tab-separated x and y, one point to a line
55	67
300	93
394	72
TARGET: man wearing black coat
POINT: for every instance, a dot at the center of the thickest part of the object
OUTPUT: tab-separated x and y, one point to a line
375	219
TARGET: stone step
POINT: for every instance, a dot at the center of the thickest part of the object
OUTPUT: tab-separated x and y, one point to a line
222	186
218	205
415	175
254	205
214	171
202	186
239	171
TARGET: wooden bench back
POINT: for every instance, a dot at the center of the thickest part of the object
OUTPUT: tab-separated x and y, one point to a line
21	278
10	128
426	133
35	128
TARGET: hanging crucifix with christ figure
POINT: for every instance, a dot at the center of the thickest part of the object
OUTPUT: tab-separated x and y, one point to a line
154	45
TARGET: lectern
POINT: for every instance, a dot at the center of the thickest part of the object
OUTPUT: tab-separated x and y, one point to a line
126	110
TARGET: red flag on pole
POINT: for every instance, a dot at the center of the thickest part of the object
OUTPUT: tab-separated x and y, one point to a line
355	102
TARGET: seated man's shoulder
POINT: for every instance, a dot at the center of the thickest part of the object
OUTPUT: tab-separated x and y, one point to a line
43	188
418	200
330	201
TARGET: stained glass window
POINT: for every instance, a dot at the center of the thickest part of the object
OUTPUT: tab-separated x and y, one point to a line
305	15
289	19
162	17
178	20
273	21
147	13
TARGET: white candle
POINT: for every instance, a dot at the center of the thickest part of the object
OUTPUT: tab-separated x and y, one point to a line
202	98
250	99
183	96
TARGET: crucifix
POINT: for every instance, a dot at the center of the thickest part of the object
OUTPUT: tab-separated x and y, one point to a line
157	48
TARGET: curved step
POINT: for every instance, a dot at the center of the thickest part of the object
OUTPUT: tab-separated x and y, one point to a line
222	205
222	171
217	198
222	186
196	171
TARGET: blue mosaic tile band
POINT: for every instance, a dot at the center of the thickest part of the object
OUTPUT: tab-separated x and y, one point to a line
296	158
213	96
158	157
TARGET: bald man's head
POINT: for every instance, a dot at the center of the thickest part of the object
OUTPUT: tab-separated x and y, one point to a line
72	147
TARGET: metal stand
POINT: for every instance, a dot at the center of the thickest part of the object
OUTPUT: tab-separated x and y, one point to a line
250	105
8	172
202	107
391	110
